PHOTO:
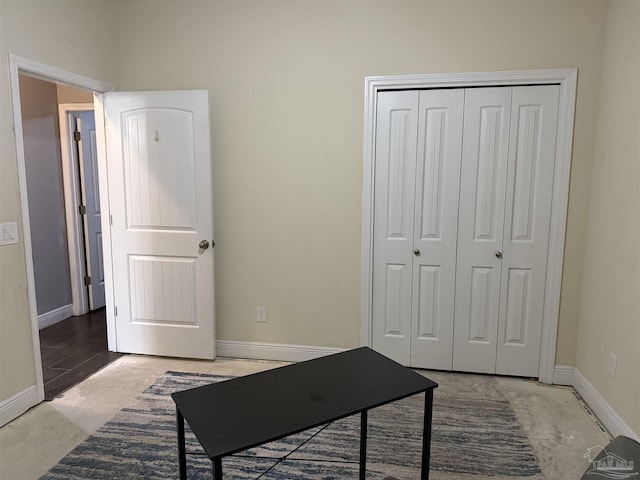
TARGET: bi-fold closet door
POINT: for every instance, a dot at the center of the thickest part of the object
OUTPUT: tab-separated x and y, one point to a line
463	182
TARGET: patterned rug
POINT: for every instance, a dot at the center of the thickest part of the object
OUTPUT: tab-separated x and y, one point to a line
472	439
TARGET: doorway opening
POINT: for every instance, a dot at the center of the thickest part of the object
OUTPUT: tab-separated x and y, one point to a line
65	242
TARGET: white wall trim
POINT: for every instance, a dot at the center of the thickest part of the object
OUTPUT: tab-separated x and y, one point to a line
272	351
567	79
603	410
55	316
16	405
72	199
18	65
563	375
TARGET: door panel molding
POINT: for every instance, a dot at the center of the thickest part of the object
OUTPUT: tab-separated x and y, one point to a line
567	81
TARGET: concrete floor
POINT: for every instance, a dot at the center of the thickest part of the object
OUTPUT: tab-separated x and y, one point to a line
559	426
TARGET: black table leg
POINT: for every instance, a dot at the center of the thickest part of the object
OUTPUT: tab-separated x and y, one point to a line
217	468
182	459
426	434
363	444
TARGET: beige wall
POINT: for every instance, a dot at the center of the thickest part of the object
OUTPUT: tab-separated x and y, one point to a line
286	92
45	185
63	34
610	308
73	95
285	81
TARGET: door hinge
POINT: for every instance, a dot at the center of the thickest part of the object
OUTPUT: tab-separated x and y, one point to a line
115	311
82	209
76	136
87	280
111	220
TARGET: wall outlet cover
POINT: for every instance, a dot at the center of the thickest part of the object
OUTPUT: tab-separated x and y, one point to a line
262	314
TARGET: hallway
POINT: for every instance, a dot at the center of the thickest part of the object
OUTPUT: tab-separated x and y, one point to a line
72	350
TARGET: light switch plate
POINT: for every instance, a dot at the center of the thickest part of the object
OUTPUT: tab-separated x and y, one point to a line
8	233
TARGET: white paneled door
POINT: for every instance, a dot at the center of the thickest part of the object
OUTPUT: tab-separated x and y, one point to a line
437	176
159	175
417	179
396	142
88	156
463	182
532	146
481	221
505	213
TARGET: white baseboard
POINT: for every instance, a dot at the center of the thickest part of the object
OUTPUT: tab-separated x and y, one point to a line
563	375
272	351
55	316
605	412
16	405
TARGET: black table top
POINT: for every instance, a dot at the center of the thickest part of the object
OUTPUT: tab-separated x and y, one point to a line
233	415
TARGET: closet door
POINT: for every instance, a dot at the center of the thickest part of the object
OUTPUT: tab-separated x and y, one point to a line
418	153
463	185
395	169
505	210
534	114
485	150
436	227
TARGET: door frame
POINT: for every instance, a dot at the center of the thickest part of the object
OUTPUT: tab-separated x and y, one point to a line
73	199
20	65
567	80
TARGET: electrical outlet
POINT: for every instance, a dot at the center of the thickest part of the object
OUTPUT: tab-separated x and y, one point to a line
262	314
613	363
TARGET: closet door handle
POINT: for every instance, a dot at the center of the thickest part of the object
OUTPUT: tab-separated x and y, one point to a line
498	254
416	252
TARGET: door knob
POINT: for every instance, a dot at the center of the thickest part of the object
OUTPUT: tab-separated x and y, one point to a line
499	254
204	244
416	252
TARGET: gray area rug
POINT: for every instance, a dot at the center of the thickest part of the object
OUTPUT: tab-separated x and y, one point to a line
473	438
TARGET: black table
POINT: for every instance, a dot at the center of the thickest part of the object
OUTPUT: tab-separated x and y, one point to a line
242	413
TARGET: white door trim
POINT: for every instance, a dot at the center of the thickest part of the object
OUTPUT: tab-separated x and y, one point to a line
103	181
48	73
72	200
567	79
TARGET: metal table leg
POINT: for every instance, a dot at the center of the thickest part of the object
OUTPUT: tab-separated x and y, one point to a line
363	444
217	468
426	434
182	456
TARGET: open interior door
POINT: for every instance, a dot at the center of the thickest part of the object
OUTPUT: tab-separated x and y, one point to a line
90	191
159	250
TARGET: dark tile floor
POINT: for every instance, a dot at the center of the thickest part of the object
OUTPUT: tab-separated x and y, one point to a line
72	350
